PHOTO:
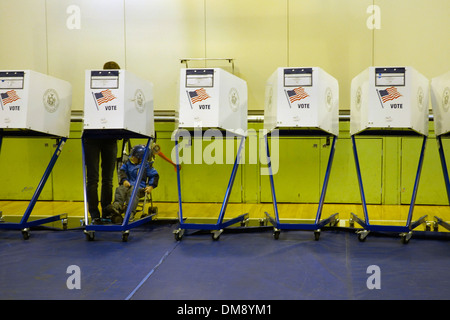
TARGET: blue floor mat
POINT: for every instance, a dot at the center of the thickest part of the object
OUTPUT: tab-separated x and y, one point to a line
240	266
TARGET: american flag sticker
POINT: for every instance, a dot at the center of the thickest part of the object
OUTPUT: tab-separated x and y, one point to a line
296	94
388	94
103	97
198	95
8	97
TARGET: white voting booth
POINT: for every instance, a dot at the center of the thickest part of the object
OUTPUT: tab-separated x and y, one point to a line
440	100
302	98
389	98
34	101
212	98
118	104
118	99
389	101
301	102
35	104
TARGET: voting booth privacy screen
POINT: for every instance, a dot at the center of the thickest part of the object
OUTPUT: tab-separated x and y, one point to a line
389	98
34	101
440	100
212	98
302	98
118	99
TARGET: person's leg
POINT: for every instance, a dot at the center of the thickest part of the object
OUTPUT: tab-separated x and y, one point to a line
109	158
91	152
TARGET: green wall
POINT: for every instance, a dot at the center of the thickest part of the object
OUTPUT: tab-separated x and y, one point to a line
388	166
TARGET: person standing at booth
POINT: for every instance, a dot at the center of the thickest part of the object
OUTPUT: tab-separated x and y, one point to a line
100	151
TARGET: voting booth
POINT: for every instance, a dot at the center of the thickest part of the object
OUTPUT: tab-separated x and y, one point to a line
389	98
301	102
117	104
389	101
440	101
302	98
118	100
35	104
211	98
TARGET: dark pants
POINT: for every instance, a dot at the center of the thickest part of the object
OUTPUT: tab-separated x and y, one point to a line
106	151
123	195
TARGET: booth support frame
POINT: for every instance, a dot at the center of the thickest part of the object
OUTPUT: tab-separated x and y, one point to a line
405	231
215	228
126	225
24	225
318	223
438	221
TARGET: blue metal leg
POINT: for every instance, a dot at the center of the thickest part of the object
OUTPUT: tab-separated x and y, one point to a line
290	226
219	225
230	182
326	179
180	206
43	180
24	221
405	231
272	186
439	221
360	183
86	214
126	226
130	206
444	167
416	182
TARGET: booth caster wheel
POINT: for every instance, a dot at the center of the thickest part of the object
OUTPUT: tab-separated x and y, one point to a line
244	223
406	237
216	234
362	235
64	223
435	226
125	235
276	233
178	234
90	235
351	223
317	234
26	234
